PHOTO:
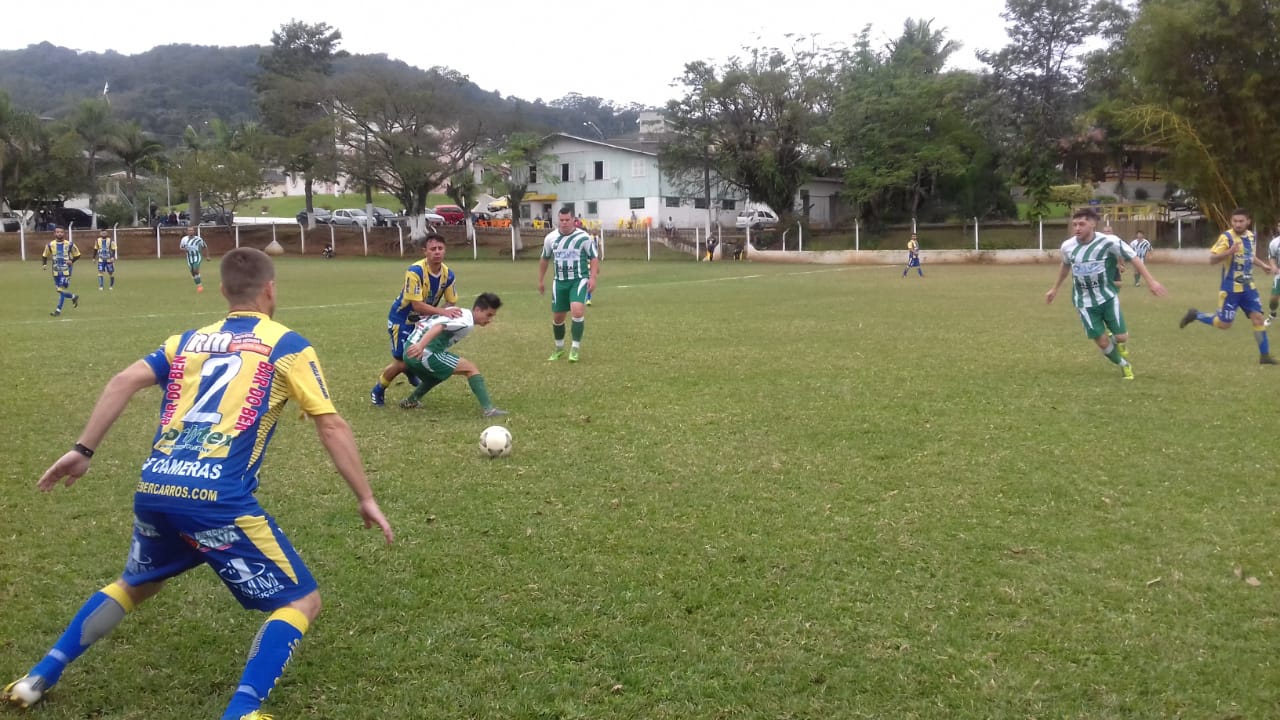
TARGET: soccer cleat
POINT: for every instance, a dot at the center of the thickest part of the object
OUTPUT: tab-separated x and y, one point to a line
75	301
573	355
588	302
56	313
495	412
25	691
256	715
199	288
1267	360
1188	318
378	395
99	289
559	353
410	404
1128	371
1268	321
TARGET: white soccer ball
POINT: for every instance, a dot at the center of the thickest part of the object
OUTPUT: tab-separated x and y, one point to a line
495	441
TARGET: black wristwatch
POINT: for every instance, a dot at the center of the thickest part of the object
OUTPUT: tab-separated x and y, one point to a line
83	450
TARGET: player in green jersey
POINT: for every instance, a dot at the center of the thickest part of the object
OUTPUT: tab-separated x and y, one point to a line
577	264
427	353
194	246
1093	292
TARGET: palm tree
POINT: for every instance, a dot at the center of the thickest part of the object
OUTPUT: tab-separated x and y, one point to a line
137	151
93	124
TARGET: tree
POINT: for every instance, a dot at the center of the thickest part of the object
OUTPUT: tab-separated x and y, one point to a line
521	155
1208	83
751	124
138	151
295	102
414	133
1037	77
93	124
902	126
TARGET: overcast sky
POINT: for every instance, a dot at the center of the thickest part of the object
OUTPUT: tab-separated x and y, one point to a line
624	52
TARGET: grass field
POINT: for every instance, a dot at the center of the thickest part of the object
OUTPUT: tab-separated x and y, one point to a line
765	492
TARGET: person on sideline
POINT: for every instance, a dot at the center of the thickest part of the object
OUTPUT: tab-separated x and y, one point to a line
1093	293
225	386
577	264
1236	249
913	256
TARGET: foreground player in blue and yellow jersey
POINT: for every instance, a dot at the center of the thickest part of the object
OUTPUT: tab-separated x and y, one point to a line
1236	249
104	250
63	253
428	290
224	386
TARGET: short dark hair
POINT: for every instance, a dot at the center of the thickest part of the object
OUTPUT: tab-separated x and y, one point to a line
1085	212
487	301
566	210
1242	212
433	237
245	272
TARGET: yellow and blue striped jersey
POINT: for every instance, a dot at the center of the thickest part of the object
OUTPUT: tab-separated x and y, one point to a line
62	253
1237	272
422	286
224	388
913	249
104	248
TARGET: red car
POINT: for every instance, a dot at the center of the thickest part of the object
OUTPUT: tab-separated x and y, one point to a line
452	214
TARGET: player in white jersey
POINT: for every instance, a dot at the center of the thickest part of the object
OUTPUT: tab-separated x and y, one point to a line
577	263
1273	254
427	353
1084	257
1142	246
194	246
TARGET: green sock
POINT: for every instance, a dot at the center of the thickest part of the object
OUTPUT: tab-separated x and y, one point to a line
579	324
557	332
1114	355
481	391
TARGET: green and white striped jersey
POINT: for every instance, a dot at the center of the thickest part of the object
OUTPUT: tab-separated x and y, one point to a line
571	253
194	245
454	330
1090	284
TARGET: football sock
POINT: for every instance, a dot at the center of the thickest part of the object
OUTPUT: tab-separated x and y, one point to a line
113	281
196	278
270	652
557	332
1264	345
579	324
1274	303
384	381
99	282
62	297
1112	353
98	616
480	390
423	387
1206	318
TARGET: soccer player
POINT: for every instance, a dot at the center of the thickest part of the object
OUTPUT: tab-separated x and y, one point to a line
1084	257
577	265
1236	249
1142	246
428	290
64	253
195	247
224	387
104	250
427	353
1273	254
913	256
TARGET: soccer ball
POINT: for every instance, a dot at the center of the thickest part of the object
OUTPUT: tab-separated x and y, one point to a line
495	441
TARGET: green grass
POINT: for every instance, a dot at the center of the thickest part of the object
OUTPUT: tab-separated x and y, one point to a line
765	492
291	205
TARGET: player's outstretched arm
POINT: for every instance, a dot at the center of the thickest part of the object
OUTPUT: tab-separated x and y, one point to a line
115	397
337	438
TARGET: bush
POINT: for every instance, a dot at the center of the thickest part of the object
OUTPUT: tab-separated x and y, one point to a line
1070	194
1106	199
1141	194
116	212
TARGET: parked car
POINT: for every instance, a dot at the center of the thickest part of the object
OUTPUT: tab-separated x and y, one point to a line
322	216
452	214
351	216
756	219
434	218
9	222
80	217
384	217
216	216
1183	200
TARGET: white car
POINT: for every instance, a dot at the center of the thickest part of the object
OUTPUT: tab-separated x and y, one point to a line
756	219
351	216
434	218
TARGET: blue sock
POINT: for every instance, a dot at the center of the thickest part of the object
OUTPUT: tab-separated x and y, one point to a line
98	616
1264	345
99	282
62	297
1205	318
270	653
113	281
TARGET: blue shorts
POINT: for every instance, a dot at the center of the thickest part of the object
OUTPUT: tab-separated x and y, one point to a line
106	267
62	282
399	335
1229	302
250	553
913	262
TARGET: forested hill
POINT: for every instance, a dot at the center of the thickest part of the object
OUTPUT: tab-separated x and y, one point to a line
172	86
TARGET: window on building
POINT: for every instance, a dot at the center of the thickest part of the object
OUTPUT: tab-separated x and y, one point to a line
700	203
670	201
592	207
638	167
533	174
728	204
599	170
526	211
637	203
564	172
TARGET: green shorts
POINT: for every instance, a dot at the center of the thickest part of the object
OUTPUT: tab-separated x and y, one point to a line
439	365
566	292
195	266
1100	318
